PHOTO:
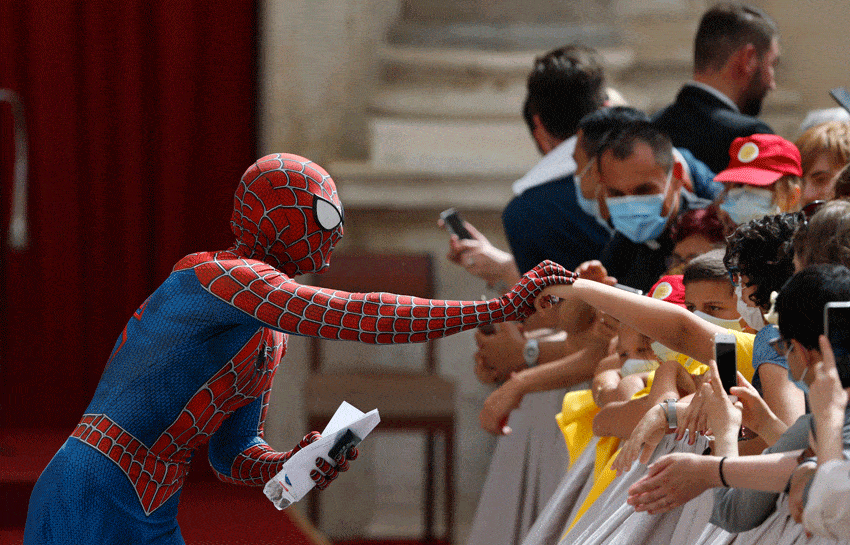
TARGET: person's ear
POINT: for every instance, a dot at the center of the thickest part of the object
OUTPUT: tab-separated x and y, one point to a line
805	354
679	179
747	61
543	138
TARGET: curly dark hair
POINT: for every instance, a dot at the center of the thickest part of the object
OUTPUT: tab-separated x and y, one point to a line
763	251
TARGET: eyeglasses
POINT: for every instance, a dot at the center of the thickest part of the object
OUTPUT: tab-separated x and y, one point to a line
781	346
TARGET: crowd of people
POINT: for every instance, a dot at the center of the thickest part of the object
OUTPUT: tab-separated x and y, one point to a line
683	227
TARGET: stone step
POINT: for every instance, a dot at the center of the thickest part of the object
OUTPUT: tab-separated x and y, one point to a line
645	87
363	185
407	64
435	101
507	36
451	145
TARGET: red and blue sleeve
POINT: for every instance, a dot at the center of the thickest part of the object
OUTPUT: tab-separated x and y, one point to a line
279	302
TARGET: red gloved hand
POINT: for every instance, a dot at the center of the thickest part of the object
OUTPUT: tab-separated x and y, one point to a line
519	302
325	473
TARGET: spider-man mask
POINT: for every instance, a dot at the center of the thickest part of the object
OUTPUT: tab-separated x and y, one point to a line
286	212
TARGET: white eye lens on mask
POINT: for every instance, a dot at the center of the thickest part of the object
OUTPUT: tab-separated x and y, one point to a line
744	204
721	322
752	316
633	365
663	353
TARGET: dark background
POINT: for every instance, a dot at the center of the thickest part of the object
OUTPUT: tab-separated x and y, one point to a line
141	118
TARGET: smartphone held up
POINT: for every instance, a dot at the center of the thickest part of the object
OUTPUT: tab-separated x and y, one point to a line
454	224
725	356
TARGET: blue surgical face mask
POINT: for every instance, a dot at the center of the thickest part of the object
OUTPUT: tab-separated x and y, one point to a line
744	204
589	206
638	217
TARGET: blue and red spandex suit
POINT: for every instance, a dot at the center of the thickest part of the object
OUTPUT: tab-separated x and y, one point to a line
195	362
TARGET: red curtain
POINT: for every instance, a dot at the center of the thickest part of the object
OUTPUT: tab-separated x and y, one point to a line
141	119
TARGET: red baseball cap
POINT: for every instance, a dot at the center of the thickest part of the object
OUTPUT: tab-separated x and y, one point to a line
760	160
669	288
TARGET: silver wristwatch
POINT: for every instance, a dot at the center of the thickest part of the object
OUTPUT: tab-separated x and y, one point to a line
669	408
531	352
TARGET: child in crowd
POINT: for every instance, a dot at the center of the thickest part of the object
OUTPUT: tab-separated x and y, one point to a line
755	481
825	237
706	291
824	150
763	178
696	232
760	255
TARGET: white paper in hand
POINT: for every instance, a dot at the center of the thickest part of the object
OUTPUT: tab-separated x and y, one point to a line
293	481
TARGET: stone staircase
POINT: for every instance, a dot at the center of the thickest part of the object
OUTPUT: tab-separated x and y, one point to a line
444	122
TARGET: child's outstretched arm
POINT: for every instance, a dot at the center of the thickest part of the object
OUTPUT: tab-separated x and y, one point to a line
669	324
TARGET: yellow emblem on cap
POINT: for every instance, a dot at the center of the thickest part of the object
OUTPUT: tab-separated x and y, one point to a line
748	152
662	291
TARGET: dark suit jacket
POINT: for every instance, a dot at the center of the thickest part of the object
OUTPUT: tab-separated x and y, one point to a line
703	124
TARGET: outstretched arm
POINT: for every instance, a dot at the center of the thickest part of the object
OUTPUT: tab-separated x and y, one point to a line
669	324
279	302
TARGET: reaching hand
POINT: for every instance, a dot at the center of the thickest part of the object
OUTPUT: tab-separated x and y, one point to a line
693	419
482	259
498	406
671	481
756	414
644	439
500	353
828	399
325	473
826	395
594	270
519	302
723	417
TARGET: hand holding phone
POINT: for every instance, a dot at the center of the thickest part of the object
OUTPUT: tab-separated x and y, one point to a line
725	356
454	224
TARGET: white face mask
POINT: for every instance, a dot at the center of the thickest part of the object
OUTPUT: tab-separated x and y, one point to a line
752	315
721	322
747	203
633	365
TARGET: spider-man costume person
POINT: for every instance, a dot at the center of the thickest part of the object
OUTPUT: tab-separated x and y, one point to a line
195	362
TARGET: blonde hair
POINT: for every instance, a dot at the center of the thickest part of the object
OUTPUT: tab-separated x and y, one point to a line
832	138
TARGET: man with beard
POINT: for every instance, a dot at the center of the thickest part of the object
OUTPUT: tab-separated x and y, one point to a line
735	52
